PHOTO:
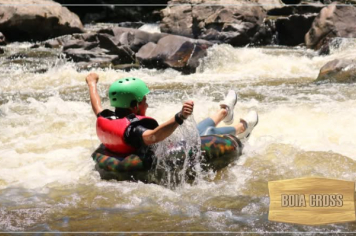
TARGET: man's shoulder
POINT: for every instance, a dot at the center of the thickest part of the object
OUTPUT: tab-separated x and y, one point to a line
107	114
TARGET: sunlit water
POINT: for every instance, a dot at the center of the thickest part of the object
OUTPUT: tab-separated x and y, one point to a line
48	181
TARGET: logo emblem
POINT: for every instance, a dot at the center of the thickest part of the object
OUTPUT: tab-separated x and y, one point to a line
312	201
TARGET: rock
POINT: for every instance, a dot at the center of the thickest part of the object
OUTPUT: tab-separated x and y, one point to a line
53	43
132	37
178	20
2	39
338	70
79	43
2	51
234	24
65	39
36	20
265	34
291	30
332	21
270	4
177	52
80	55
132	25
98	48
326	45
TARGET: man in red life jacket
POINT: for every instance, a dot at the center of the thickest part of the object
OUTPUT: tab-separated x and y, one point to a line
128	96
127	130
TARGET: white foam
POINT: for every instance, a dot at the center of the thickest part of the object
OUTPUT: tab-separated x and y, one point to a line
48	127
150	28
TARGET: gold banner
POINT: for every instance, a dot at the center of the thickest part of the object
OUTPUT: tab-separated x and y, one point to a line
312	201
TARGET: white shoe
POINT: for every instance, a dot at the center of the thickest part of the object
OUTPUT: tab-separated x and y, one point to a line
251	121
229	104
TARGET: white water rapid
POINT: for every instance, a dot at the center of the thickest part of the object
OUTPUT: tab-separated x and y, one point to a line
47	177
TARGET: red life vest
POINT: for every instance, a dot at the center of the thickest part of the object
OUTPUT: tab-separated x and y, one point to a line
111	132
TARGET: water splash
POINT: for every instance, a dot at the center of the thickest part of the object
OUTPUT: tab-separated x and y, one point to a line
178	157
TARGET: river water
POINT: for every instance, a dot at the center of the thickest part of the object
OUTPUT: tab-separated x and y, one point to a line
48	181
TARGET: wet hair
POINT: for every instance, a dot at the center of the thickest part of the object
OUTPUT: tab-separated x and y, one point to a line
123	112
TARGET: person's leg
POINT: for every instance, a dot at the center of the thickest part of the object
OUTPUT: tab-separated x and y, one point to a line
204	125
224	113
219	116
219	130
234	130
241	129
212	121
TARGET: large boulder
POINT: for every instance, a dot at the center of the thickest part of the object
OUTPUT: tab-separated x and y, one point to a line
134	38
36	20
214	20
338	70
332	21
173	51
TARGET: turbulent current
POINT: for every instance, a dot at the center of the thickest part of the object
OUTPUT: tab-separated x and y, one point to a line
48	181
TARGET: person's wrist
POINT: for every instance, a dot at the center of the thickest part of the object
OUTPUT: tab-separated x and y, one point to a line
182	116
179	118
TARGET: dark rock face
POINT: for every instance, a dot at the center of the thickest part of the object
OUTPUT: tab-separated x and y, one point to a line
332	21
173	51
233	24
293	10
2	39
290	23
115	11
291	30
46	19
338	70
291	1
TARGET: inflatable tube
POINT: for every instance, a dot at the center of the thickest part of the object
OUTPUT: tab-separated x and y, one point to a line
218	151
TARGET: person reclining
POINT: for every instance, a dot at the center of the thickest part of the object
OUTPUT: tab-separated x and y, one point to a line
128	130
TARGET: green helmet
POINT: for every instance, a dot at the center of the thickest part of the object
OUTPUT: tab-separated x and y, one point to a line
123	91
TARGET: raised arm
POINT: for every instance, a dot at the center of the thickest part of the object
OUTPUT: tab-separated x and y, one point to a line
92	79
167	128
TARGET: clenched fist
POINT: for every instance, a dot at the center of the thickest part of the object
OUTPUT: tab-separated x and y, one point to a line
187	109
92	78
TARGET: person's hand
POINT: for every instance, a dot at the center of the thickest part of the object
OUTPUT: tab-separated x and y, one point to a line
92	78
187	109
